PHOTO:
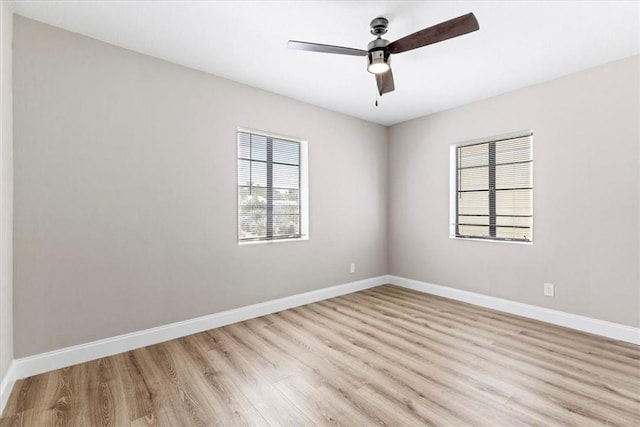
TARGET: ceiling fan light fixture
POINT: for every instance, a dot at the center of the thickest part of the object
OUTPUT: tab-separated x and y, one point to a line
378	62
379	50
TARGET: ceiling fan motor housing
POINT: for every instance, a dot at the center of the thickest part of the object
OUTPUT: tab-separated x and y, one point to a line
377	44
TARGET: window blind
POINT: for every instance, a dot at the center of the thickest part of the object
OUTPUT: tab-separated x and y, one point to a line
268	187
494	189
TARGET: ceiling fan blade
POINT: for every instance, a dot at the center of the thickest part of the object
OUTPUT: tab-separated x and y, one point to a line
385	82
443	31
325	48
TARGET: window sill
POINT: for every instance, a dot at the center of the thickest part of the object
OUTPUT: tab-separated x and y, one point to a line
516	242
262	242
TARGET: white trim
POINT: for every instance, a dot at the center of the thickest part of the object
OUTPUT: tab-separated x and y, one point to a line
304	186
271	134
453	190
302	238
6	385
56	359
473	239
496	138
40	363
453	193
304	189
612	330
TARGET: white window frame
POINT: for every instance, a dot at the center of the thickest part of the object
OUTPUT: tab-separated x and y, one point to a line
304	187
453	190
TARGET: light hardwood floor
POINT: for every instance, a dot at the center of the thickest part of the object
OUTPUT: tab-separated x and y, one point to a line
384	356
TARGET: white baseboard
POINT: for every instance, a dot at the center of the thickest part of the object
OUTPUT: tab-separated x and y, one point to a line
6	385
582	323
37	364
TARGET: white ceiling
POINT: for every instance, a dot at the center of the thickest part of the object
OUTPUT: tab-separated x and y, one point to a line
520	43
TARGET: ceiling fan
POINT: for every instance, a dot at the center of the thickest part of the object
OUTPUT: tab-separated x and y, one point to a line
379	50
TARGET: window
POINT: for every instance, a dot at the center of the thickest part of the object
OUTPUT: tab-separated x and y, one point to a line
272	199
493	193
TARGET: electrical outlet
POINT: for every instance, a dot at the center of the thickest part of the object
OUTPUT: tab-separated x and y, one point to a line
353	267
549	290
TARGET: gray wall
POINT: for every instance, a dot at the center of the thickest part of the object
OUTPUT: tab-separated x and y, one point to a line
125	197
6	192
586	187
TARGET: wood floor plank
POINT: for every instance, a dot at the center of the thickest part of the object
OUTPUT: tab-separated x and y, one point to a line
475	332
384	356
165	393
373	372
25	392
346	374
569	400
224	398
238	367
326	373
136	391
404	367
